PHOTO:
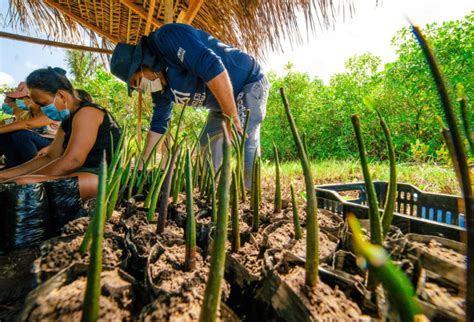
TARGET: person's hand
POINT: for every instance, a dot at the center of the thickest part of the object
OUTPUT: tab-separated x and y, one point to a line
43	152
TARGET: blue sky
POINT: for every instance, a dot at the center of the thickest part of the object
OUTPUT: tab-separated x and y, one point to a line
370	30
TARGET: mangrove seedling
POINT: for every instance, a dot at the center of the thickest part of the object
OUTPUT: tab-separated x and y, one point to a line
399	289
374	215
464	176
212	294
91	306
389	208
277	208
165	193
256	194
190	262
213	194
312	227
234	197
152	197
296	218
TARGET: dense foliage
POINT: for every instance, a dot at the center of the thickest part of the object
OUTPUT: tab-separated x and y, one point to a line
403	90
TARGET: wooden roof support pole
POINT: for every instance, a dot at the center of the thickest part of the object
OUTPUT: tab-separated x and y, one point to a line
80	20
151	11
169	11
191	12
46	42
139	11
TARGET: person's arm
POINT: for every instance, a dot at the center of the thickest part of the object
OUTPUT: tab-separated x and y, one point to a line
85	127
221	87
55	151
32	123
179	45
18	112
162	107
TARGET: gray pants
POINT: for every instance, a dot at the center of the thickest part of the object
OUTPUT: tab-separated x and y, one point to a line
253	97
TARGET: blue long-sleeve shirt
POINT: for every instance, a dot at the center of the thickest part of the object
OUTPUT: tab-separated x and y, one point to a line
190	58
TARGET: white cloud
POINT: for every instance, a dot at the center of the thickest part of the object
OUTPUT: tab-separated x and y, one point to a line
370	30
6	79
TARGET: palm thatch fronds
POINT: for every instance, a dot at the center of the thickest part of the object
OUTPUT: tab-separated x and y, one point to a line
255	26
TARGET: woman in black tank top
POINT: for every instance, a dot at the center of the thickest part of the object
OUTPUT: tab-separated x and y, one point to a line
87	130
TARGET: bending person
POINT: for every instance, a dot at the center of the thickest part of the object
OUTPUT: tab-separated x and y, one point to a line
20	141
86	131
182	64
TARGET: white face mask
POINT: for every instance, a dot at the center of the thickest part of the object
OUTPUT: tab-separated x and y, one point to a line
150	86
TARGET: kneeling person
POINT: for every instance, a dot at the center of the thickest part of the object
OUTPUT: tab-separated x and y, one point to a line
77	149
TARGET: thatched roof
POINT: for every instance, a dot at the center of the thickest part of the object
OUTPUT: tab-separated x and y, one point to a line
253	25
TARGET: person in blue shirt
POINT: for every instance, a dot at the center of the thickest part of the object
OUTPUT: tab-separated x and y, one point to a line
181	64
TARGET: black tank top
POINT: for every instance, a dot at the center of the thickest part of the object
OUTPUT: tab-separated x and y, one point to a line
109	131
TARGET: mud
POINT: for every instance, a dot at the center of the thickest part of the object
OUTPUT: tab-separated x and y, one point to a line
324	303
64	252
143	234
79	226
168	273
434	248
249	256
66	303
442	298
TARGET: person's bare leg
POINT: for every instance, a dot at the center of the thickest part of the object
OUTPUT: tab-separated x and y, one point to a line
87	182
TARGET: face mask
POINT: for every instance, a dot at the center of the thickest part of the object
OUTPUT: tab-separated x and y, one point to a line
7	109
21	104
52	112
150	86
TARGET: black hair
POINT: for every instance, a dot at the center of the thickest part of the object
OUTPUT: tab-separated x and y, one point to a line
84	95
49	80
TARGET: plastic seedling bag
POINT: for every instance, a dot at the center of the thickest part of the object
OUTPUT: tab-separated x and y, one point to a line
24	215
64	202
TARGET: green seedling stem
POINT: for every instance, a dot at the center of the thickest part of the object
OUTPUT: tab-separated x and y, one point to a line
399	289
197	168
165	194
305	143
190	262
178	126
296	218
374	215
178	174
312	227
134	176
466	118
143	173
212	293
175	175
241	175
255	198
90	310
389	208
157	174
235	214
157	190
117	153
213	195
461	158
277	208
113	193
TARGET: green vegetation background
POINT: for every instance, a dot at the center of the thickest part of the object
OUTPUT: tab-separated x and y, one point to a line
403	90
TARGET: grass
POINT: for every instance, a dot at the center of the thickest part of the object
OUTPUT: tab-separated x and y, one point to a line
427	177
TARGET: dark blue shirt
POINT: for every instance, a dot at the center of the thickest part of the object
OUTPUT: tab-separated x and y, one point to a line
190	58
